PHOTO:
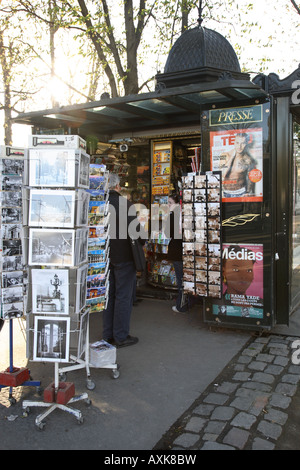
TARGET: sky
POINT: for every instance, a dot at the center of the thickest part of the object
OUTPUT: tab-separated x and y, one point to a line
271	22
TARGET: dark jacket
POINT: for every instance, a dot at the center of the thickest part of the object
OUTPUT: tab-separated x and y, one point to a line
122	215
175	245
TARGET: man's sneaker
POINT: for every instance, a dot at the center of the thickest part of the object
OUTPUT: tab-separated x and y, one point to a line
129	341
174	308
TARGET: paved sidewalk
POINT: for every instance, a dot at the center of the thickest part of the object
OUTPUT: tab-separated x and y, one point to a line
185	385
248	406
175	360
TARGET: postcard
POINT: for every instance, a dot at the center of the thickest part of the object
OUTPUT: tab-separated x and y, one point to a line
98	195
94	292
51	339
12	310
11	182
83	198
12	166
11	198
51	208
83	332
12	278
52	167
84	167
12	294
11	231
97	268
12	263
97	182
81	246
81	288
51	247
50	291
11	215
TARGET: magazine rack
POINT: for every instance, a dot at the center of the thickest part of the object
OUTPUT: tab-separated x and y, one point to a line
56	396
13	376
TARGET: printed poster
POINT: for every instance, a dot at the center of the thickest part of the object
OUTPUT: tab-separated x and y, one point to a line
238	154
242	272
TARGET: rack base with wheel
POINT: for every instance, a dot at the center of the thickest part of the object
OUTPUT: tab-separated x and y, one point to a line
39	421
53	405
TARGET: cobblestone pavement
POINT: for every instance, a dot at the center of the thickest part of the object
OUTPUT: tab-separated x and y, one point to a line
249	406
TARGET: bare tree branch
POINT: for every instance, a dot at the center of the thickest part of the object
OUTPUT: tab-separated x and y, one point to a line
296	6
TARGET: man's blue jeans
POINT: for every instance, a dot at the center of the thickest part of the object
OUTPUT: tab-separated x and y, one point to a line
116	317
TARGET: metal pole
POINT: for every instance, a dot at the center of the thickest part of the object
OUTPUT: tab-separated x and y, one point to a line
11	334
56	377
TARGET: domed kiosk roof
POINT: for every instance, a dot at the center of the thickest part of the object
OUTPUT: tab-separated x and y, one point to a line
200	55
201	47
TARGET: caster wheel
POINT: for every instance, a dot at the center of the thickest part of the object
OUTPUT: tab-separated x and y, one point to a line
116	374
63	377
39	391
12	400
90	385
88	402
41	426
80	420
26	412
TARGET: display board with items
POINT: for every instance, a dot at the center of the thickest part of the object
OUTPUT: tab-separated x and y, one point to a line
201	226
160	271
161	170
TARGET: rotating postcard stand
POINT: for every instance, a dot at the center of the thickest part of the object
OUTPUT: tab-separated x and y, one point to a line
55	211
12	162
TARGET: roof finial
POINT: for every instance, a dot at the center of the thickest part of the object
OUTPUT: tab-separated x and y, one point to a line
200	19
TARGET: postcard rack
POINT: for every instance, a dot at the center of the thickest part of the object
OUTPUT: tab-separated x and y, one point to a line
55	213
97	355
201	223
13	274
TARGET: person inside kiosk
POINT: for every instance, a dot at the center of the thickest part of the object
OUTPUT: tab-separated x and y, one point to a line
174	232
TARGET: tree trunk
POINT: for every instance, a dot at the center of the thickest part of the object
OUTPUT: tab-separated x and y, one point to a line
96	41
7	93
131	85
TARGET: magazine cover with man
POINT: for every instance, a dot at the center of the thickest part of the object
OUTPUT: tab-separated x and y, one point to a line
242	279
238	154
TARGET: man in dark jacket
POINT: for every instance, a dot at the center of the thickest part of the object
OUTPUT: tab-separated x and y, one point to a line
123	220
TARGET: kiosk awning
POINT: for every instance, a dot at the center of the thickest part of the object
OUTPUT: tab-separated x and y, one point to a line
167	107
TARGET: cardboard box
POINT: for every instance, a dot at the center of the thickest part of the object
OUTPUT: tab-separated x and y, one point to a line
102	353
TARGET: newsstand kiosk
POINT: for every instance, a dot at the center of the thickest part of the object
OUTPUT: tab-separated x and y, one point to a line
260	250
247	269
